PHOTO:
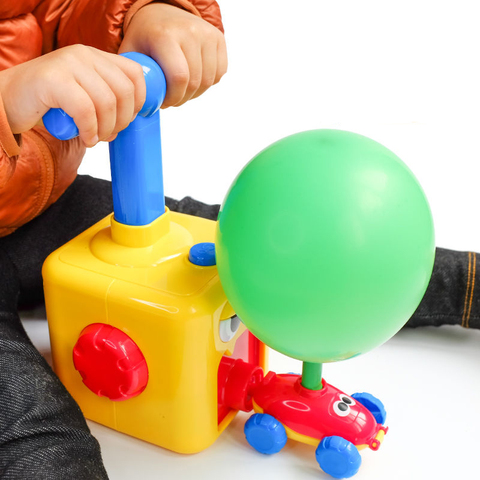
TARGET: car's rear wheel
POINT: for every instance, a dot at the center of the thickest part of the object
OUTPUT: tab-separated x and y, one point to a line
373	404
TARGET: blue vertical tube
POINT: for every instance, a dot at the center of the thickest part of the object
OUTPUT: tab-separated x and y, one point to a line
137	177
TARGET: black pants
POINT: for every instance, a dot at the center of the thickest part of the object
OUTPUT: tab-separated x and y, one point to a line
43	434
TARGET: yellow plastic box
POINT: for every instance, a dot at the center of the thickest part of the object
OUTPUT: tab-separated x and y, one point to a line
139	283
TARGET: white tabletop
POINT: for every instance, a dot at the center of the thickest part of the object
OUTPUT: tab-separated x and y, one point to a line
404	74
427	378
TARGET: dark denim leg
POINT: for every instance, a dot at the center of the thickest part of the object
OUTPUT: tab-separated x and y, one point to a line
193	207
43	434
453	295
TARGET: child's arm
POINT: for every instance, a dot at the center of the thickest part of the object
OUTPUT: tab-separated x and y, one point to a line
33	178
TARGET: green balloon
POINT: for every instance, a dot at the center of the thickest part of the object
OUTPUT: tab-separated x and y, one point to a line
325	245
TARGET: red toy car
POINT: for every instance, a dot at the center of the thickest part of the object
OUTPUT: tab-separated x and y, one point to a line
337	424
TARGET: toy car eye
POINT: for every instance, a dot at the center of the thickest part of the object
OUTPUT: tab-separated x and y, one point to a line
228	328
341	408
348	400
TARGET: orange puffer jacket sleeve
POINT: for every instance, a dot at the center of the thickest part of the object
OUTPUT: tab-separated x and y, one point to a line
35	168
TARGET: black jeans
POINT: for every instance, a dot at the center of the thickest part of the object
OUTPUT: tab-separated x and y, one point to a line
452	296
43	434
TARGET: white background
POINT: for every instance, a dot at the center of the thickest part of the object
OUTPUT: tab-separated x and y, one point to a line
404	73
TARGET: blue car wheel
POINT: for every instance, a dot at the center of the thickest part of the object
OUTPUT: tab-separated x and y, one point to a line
265	433
373	404
338	457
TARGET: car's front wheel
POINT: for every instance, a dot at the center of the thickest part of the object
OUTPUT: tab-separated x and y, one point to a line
338	457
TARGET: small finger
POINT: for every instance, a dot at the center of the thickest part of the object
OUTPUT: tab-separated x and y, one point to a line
209	69
76	102
193	56
124	91
104	100
222	59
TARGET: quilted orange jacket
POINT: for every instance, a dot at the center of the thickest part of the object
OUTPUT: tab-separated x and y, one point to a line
35	168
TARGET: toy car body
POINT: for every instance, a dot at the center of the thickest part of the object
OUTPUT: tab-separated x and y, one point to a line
336	423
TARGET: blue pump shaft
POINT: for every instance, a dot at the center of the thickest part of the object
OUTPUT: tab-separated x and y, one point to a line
137	177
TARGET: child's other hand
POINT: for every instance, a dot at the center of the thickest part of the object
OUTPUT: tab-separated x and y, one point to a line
191	51
101	91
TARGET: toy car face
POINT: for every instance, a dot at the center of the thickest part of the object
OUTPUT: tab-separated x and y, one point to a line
311	415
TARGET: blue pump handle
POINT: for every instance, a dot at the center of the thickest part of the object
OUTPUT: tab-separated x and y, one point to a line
135	154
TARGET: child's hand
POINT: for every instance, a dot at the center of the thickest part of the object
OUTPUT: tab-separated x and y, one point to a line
191	51
101	91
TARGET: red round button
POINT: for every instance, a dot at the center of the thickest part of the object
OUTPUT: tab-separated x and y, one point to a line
110	362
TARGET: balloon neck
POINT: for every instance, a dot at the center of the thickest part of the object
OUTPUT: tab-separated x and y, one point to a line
312	376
